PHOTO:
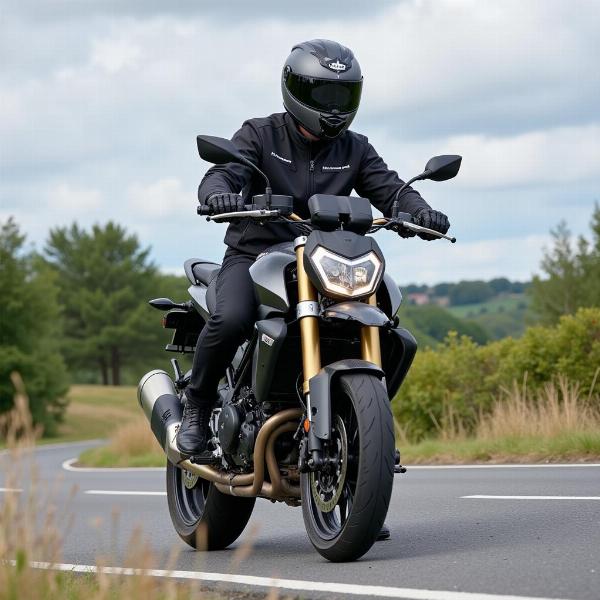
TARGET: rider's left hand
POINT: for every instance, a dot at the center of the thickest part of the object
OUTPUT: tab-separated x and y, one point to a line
432	219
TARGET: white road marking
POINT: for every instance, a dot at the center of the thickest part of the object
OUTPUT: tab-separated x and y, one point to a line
123	493
69	465
503	466
288	584
10	490
486	497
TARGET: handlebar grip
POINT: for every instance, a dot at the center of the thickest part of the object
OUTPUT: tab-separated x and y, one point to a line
204	209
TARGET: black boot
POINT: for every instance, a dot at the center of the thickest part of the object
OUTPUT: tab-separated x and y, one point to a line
384	534
193	434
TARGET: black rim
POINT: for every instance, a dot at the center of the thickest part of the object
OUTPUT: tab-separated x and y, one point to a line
330	495
190	496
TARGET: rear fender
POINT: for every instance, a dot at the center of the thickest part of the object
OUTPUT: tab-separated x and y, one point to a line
321	389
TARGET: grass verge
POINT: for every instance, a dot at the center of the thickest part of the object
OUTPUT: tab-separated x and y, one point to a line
565	447
556	424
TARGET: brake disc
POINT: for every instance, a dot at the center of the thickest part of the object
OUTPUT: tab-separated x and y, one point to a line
327	487
189	479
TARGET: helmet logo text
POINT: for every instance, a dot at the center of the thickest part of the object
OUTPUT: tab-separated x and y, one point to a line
337	66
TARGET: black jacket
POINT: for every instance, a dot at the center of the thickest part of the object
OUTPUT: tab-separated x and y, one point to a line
300	168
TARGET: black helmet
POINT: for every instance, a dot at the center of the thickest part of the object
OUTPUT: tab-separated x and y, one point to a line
321	85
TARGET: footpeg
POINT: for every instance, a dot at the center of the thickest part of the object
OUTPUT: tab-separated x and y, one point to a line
398	468
207	457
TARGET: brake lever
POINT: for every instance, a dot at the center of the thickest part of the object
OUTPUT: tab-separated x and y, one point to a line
419	229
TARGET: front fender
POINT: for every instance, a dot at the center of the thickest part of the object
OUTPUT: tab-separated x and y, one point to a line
320	389
365	314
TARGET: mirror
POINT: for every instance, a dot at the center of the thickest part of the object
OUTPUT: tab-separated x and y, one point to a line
218	150
163	304
440	168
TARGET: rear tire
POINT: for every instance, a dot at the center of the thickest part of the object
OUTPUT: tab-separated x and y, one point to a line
203	517
361	414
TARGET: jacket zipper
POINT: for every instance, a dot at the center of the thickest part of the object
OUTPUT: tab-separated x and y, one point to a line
311	171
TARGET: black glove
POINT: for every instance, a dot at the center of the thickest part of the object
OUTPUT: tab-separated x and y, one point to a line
432	219
225	202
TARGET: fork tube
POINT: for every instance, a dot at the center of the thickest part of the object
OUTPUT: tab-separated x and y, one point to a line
309	323
369	340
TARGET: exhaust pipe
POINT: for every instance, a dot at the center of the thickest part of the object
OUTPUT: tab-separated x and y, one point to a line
163	409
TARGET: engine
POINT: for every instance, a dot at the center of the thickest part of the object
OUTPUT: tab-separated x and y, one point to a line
238	426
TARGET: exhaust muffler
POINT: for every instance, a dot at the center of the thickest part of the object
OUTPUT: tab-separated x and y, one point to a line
163	409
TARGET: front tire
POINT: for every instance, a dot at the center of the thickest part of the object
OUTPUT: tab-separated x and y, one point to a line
202	516
344	506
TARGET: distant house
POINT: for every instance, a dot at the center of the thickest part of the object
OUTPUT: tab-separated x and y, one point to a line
418	298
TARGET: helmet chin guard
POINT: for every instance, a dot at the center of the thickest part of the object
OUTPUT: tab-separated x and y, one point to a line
321	86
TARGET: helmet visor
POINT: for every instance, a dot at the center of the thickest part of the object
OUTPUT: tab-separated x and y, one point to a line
325	95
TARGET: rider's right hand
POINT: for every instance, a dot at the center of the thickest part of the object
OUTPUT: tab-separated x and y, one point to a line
225	202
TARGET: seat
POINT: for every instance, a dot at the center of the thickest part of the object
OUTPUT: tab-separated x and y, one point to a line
204	272
201	271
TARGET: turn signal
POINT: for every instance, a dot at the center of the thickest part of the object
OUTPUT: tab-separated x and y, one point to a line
306	425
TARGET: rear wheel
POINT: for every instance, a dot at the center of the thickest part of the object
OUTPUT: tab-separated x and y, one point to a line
344	505
203	517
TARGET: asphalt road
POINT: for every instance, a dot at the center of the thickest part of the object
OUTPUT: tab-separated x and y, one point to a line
541	539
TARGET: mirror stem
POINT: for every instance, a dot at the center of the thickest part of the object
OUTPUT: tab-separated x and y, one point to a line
422	175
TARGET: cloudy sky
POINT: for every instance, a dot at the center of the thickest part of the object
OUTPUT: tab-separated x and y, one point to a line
100	103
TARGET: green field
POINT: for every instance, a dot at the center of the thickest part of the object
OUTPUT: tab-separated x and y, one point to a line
512	303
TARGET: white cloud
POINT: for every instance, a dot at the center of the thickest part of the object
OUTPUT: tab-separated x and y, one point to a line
113	55
74	200
162	198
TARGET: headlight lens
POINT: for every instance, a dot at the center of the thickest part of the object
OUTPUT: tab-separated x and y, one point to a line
344	277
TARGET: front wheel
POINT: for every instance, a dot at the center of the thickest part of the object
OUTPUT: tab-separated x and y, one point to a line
345	503
203	517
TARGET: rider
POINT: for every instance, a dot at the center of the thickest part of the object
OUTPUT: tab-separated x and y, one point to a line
306	150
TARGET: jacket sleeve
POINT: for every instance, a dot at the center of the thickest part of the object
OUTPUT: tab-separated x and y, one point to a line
377	182
233	177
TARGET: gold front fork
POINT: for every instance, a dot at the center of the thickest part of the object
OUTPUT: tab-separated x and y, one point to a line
369	340
309	319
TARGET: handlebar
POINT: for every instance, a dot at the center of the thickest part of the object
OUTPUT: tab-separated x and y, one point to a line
204	209
384	223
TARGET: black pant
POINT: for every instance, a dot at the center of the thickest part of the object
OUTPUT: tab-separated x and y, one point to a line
229	325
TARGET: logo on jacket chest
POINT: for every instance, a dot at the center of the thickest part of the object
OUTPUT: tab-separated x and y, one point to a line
287	161
335	167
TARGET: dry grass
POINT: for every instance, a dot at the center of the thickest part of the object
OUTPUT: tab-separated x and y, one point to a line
131	445
558	408
556	423
33	525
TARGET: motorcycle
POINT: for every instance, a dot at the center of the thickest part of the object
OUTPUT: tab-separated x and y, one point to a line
303	414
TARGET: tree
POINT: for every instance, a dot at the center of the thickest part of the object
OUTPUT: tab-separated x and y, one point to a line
105	280
572	274
500	285
29	330
470	292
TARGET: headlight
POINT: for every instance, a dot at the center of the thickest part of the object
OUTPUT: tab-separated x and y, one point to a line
343	277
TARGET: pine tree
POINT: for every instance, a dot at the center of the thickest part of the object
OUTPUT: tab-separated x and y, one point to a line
30	330
105	280
572	274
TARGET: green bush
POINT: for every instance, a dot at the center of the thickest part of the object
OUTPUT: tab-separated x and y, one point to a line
463	379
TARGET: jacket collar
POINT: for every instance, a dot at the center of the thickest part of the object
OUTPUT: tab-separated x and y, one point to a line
300	140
